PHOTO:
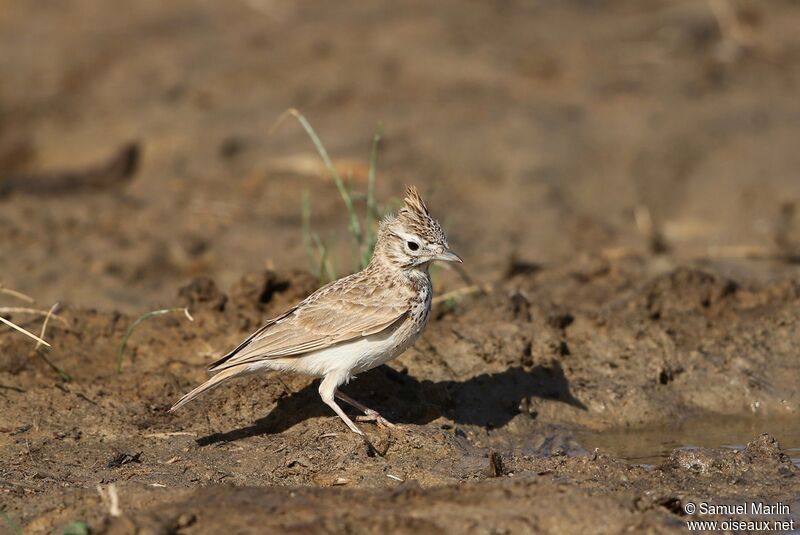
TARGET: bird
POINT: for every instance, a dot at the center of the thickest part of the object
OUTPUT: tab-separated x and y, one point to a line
352	324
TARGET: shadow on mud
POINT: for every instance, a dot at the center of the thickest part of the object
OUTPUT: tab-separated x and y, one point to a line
486	400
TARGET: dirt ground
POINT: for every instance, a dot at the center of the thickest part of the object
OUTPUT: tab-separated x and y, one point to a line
621	177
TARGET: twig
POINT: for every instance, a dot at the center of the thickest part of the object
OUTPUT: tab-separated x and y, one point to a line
110	499
171	434
85	398
138	321
23	331
460	292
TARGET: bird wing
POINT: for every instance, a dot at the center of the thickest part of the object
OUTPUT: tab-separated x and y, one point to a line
340	311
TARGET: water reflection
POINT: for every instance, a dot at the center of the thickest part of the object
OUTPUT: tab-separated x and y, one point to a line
649	446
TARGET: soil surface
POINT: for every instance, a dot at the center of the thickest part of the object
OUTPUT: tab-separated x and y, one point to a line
620	180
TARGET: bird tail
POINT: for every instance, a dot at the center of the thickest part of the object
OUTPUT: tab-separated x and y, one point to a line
211	383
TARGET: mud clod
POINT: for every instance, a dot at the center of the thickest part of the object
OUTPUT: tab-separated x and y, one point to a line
202	293
685	290
496	467
121	459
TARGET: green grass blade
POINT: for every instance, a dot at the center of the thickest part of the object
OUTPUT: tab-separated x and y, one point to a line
357	243
355	226
138	322
325	267
369	225
76	528
308	244
13	526
323	263
42	353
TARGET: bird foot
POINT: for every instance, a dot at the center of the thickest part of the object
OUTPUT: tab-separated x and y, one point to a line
373	416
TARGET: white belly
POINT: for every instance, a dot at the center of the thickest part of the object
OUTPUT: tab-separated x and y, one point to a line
354	357
348	358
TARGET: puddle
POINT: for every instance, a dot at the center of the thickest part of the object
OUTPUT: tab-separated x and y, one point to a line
650	446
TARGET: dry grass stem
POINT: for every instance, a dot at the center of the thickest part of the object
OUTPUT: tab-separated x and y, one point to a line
46	320
13	293
34	311
23	331
461	292
171	434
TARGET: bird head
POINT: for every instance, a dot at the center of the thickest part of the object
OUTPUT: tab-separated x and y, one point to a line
412	238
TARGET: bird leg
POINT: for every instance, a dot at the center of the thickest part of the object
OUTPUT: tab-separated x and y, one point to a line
369	414
327	390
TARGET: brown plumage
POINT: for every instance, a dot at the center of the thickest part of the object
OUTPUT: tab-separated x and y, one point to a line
355	323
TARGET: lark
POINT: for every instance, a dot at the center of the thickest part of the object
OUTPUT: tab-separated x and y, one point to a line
355	323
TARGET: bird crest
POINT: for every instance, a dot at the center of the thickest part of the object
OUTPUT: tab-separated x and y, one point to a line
414	205
416	217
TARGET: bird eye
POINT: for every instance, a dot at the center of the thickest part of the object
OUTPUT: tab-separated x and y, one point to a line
412	245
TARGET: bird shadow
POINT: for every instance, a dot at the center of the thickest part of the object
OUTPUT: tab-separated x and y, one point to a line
488	400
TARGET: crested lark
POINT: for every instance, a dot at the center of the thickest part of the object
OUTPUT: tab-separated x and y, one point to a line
355	323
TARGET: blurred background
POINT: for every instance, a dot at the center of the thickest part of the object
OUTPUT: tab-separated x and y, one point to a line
622	174
135	145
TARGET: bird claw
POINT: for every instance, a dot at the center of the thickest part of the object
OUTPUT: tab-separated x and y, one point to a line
373	416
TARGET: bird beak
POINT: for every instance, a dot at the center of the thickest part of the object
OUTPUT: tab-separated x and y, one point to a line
448	256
